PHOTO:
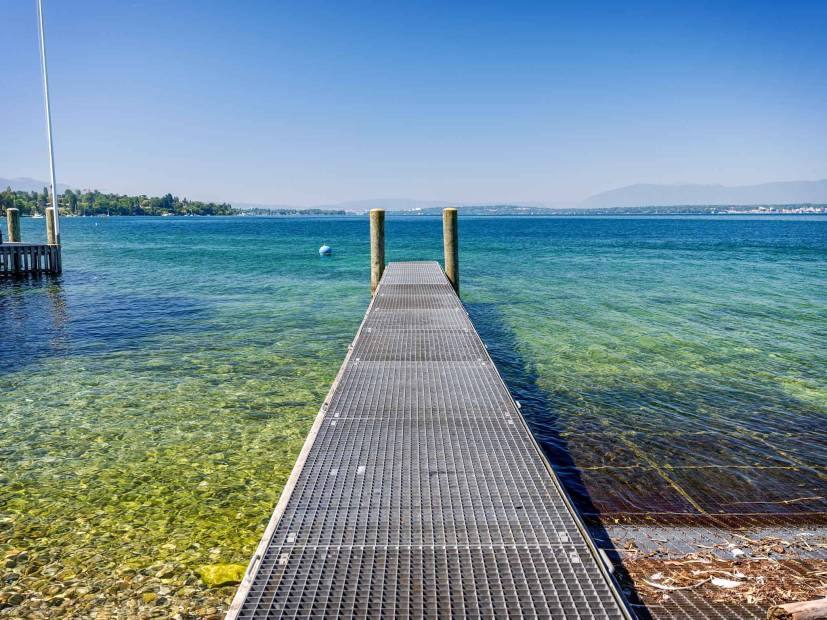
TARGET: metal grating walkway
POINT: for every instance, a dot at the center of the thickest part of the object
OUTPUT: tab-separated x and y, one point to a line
420	492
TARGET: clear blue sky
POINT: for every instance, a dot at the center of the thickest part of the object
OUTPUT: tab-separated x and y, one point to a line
313	103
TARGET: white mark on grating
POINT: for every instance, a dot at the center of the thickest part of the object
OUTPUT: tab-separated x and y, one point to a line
283	558
360	470
334	471
291	537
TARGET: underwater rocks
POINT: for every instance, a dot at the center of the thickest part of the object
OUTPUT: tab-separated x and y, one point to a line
217	575
37	584
126	593
151	459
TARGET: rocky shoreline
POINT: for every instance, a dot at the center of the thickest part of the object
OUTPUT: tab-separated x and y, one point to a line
34	589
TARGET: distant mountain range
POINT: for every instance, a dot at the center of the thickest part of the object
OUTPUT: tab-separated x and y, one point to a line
642	195
631	196
25	184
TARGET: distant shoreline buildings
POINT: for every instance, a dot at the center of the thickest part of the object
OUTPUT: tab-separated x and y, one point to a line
93	202
785	209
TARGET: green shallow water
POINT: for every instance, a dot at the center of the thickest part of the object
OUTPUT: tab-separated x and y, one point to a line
155	396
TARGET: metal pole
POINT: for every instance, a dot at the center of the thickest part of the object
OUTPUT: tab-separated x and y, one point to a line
48	118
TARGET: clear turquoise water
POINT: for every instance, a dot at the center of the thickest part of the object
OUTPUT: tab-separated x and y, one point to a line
155	396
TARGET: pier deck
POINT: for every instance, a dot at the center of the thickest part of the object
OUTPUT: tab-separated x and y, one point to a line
420	491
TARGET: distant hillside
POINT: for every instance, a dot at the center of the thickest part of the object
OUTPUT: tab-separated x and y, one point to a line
273	211
641	195
25	184
256	206
352	206
97	203
691	198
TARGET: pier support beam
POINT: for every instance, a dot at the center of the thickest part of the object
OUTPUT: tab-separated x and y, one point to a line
13	221
51	236
377	247
451	244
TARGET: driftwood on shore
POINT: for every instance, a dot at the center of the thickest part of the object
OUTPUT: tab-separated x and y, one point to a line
808	610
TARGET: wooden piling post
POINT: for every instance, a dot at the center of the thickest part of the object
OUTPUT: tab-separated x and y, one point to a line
13	221
51	237
377	247
451	245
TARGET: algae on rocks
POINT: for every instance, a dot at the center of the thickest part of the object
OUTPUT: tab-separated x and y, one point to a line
217	575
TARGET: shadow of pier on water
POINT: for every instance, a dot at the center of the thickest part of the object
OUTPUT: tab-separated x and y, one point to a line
545	424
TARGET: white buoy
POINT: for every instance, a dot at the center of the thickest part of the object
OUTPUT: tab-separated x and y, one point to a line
325	250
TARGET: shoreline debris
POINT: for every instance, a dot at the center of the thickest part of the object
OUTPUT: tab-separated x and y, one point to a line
807	610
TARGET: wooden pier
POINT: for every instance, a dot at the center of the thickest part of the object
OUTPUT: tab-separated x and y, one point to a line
420	491
19	259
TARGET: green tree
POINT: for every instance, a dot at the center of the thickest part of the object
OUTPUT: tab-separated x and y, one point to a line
43	200
166	203
96	203
6	200
71	201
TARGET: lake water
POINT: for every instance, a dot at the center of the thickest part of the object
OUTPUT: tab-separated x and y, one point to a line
153	398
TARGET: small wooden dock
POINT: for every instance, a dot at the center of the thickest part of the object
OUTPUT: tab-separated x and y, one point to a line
25	259
420	491
19	259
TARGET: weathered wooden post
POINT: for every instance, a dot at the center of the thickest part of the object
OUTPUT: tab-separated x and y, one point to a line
377	247
13	221
449	239
51	237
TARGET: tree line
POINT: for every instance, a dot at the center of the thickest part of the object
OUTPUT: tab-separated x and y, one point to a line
97	203
263	211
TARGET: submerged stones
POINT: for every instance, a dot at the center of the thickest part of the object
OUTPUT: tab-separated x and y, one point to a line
166	571
106	517
10	599
217	575
138	594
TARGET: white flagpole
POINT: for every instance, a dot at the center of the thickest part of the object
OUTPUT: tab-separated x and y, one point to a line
48	118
